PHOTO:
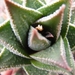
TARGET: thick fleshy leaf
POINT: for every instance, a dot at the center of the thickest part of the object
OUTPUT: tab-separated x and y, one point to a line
52	7
21	19
36	41
8	60
66	18
35	4
8	40
48	67
31	70
54	54
53	22
69	56
71	35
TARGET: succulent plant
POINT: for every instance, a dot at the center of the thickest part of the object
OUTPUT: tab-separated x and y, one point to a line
39	37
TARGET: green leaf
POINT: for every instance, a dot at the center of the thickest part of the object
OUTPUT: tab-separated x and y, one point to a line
53	55
18	1
69	55
53	22
35	4
31	70
36	41
8	60
21	20
8	40
48	67
71	35
66	18
49	9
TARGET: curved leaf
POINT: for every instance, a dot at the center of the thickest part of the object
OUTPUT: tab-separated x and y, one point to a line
36	41
35	4
8	40
8	60
21	20
31	70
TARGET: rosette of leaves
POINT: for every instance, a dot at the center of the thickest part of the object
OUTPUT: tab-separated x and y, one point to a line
39	37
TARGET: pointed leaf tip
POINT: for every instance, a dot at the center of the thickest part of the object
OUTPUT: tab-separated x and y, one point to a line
21	20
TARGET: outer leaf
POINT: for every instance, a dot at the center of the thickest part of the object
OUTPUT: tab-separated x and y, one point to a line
66	18
8	40
69	56
21	20
35	4
8	60
49	9
30	70
71	35
54	55
53	22
51	68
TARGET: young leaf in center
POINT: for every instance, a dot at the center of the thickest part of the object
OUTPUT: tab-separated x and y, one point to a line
36	41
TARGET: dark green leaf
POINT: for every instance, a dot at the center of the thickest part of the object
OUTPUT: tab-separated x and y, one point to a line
71	35
35	4
49	9
21	20
31	70
8	40
8	60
